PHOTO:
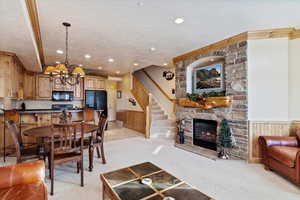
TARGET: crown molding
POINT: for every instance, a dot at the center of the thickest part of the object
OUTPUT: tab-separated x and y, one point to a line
270	33
223	43
290	33
295	34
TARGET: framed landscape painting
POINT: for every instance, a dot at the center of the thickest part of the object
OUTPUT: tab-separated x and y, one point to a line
208	78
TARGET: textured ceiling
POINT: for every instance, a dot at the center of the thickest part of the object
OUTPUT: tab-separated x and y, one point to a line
16	34
123	30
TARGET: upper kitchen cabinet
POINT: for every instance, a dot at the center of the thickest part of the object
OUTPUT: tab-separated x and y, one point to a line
94	83
78	91
29	85
43	87
11	76
58	86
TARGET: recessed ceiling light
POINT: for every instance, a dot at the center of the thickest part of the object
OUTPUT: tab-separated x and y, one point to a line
152	49
111	60
212	60
80	65
165	64
99	67
59	51
57	62
178	20
118	72
136	64
87	56
140	3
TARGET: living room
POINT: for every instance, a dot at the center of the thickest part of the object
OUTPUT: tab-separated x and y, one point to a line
149	100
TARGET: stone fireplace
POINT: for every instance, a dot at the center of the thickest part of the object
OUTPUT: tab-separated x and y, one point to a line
205	133
235	80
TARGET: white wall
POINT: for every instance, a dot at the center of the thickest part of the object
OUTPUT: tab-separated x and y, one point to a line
125	86
268	82
124	104
294	79
111	88
156	73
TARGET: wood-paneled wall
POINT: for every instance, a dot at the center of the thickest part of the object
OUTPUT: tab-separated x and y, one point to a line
140	93
135	120
260	128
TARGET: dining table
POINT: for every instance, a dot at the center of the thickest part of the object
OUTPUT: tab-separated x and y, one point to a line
42	134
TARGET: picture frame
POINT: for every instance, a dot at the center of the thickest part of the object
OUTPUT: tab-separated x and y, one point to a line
119	94
208	78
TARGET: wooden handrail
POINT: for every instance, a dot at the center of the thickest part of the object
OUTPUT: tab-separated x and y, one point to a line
140	93
144	98
157	85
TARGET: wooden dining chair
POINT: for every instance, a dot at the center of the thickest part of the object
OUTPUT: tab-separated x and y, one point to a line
66	146
24	151
89	115
15	116
99	138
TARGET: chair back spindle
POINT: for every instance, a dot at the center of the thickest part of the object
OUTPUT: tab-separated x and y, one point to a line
66	139
16	136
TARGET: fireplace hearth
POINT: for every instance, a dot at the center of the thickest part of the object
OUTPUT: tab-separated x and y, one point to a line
205	133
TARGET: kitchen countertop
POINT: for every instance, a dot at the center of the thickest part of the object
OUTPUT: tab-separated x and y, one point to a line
33	111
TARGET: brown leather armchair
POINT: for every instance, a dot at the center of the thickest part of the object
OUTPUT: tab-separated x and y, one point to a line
282	154
23	181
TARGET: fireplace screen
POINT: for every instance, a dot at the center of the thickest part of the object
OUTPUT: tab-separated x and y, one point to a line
205	133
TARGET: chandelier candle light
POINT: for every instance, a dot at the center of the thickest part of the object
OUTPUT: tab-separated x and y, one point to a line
68	74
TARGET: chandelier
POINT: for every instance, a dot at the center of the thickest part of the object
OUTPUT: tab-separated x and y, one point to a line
67	73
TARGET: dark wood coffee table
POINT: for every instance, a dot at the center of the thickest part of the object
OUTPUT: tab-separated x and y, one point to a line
125	184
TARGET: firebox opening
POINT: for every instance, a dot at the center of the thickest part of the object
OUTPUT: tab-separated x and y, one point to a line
205	133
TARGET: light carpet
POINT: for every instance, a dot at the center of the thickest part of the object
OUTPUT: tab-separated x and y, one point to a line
221	179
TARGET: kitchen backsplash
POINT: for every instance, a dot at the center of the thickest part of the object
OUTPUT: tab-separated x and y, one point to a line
34	104
44	104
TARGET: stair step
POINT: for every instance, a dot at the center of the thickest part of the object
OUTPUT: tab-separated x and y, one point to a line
157	112
166	135
156	109
159	116
163	129
156	106
154	103
163	123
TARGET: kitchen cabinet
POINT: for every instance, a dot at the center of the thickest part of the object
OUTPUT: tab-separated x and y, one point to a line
29	85
11	76
43	87
94	83
78	91
99	84
58	86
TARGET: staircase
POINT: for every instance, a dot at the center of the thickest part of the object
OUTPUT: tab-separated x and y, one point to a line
161	126
160	120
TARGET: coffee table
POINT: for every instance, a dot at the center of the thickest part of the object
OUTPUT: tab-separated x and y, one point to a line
126	184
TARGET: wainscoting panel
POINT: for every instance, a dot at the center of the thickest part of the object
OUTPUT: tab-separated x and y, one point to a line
264	128
135	120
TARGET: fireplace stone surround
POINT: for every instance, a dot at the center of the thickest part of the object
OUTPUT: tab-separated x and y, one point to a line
235	66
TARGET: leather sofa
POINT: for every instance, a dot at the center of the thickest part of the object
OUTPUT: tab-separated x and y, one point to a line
282	154
23	182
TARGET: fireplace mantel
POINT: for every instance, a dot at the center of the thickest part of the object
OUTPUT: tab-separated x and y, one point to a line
208	103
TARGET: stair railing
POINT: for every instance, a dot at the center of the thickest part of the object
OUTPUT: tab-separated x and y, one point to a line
144	98
148	116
